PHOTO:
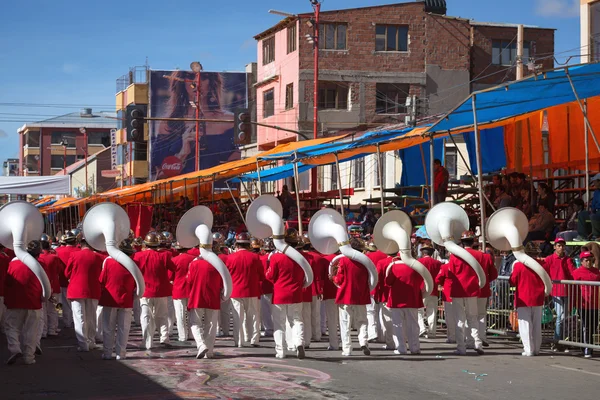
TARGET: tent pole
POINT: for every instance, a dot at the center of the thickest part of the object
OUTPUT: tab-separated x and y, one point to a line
339	182
258	175
587	159
212	199
380	173
247	191
431	172
479	172
197	192
295	162
583	110
235	202
530	162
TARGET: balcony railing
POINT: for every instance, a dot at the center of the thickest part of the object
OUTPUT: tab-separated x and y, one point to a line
135	75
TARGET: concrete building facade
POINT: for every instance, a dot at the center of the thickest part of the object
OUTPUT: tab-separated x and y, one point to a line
590	30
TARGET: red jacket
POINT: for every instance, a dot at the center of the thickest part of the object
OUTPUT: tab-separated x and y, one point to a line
54	267
178	277
375	257
382	291
4	261
329	289
22	289
10	253
287	278
442	279
559	268
589	296
155	266
530	287
247	273
267	285
64	253
491	274
404	287
433	266
83	271
205	285
315	260
194	252
464	279
353	281
118	285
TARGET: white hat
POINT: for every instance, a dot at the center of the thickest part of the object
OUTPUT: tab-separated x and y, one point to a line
596	177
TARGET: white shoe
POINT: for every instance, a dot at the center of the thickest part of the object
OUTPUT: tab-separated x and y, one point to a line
399	352
279	356
120	358
525	354
346	354
587	356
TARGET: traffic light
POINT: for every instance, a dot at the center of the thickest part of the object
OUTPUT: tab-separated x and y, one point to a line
134	122
242	127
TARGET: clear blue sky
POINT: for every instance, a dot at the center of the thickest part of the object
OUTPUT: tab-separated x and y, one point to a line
71	52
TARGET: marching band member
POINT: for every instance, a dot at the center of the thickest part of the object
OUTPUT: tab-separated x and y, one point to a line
405	298
224	321
53	266
165	240
491	274
64	253
287	278
374	326
23	301
181	290
266	299
116	298
382	293
311	307
449	315
353	295
83	271
246	273
155	266
329	310
430	301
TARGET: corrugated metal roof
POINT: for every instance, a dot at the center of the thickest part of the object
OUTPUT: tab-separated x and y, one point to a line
504	25
100	119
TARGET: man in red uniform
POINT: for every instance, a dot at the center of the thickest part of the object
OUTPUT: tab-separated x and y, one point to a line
352	279
405	299
181	290
440	181
429	301
116	298
53	266
224	321
491	274
559	267
373	323
23	301
382	293
312	295
266	300
587	306
330	319
205	286
247	274
288	280
83	272
165	240
449	315
64	253
529	299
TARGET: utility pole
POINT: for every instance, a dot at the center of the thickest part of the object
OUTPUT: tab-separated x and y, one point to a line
85	155
317	9
197	68
520	52
519	125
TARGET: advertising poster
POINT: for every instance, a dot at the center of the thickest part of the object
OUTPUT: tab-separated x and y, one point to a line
173	143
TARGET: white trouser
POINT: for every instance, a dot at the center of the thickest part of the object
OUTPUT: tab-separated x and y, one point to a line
465	309
137	310
406	328
350	314
99	324
429	312
315	318
170	314
266	315
21	327
118	319
530	328
387	326
283	313
225	317
450	318
52	317
154	315
245	321
307	316
204	331
482	305
67	313
43	325
332	315
84	320
373	320
180	306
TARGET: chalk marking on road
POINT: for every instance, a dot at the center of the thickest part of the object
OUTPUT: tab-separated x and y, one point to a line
576	370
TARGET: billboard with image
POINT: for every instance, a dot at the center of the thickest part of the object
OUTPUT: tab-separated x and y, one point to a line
173	143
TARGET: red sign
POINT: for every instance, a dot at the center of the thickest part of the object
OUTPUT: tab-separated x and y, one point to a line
110	173
172	166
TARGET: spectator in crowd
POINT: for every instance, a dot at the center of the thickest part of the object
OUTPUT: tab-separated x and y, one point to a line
286	199
546	197
440	181
541	225
525	202
568	229
591	215
502	198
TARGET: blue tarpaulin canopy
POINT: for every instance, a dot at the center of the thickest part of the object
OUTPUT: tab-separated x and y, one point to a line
45	204
274	174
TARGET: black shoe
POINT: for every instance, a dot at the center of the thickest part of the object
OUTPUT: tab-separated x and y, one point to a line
13	359
300	352
366	350
485	344
256	345
479	352
38	351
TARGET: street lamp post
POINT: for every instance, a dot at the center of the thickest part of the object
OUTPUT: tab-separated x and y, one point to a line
63	143
85	154
197	68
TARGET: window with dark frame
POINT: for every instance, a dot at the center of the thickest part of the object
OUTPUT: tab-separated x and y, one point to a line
376	169
57	137
57	161
268	50
291	39
334	179
289	96
333	36
33	139
504	52
333	96
359	173
391	38
102	138
391	98
268	103
451	161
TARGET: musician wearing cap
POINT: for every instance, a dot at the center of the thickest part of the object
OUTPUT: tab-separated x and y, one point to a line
373	321
224	320
559	267
330	320
353	295
247	274
312	295
64	253
429	301
116	298
266	300
165	240
83	271
53	267
588	297
182	263
23	301
155	266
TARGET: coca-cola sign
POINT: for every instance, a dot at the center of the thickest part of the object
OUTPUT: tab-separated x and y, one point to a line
171	166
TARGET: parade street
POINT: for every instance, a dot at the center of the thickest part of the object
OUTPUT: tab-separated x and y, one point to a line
63	373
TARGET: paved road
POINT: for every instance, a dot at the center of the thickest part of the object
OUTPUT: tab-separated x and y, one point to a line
63	373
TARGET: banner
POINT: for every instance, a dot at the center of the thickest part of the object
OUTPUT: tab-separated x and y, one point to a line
140	218
45	185
173	143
